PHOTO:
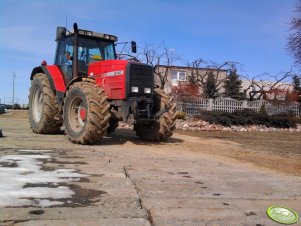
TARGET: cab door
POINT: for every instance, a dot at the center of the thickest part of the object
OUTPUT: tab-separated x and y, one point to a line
64	47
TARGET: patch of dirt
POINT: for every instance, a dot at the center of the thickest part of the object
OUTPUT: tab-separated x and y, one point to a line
30	153
8	164
11	222
71	157
281	143
41	185
96	175
48	168
15	114
182	173
66	162
279	151
36	212
82	197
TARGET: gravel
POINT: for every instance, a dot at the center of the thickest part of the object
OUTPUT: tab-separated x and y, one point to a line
192	124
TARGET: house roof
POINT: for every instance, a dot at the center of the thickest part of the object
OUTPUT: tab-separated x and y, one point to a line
182	67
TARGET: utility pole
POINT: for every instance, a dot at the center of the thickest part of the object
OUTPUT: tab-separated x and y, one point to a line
14	76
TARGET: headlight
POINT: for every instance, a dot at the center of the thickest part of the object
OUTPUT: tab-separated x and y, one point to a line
147	90
135	89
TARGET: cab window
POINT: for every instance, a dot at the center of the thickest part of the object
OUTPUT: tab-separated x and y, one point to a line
64	47
109	52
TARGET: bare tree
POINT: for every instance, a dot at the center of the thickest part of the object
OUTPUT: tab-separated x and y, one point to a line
294	39
259	87
201	70
156	56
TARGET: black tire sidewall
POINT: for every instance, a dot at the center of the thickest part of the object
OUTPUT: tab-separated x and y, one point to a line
36	84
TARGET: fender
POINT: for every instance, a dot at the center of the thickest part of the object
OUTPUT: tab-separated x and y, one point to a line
55	78
54	75
79	79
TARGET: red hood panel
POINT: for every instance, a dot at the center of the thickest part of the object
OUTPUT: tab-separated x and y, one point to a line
110	76
102	67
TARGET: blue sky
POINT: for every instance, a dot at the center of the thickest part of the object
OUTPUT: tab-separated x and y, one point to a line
252	32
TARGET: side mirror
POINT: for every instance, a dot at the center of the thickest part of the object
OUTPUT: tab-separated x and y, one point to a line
134	46
60	33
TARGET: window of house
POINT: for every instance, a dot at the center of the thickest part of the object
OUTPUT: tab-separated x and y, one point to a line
181	76
178	76
174	75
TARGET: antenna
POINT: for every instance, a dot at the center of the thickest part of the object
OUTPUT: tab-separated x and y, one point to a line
66	23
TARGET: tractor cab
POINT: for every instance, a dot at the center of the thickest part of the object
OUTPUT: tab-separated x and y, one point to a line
91	47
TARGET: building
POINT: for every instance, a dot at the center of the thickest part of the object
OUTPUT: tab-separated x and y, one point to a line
179	77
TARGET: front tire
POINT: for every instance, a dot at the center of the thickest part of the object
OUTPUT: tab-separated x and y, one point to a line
161	130
44	114
86	113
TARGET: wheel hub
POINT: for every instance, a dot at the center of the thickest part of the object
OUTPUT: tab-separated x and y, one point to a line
77	114
83	113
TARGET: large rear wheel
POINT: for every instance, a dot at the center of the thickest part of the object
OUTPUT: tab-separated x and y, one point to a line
163	128
44	115
86	113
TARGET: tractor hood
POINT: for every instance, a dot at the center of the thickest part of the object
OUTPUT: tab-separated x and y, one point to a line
107	68
121	79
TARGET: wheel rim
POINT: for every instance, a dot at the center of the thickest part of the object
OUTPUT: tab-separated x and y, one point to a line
77	114
37	104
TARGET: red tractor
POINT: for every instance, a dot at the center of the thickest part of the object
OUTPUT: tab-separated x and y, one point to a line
89	90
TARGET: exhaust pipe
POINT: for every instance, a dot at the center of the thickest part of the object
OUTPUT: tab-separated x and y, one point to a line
75	52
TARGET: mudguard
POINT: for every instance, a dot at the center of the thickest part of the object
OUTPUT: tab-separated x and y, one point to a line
55	78
54	75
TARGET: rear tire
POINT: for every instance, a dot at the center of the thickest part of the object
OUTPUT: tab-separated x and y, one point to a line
162	129
86	113
44	114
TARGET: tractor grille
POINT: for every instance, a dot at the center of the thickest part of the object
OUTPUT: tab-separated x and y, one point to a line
141	76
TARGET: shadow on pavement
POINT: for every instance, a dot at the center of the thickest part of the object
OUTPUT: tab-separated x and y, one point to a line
123	135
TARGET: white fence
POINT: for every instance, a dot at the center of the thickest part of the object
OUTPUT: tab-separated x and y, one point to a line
193	106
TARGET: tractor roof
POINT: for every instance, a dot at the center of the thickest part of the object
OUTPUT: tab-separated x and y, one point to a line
94	34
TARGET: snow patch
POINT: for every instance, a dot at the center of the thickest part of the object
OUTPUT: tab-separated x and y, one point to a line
28	185
47	203
36	151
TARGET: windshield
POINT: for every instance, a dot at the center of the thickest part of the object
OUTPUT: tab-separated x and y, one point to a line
91	50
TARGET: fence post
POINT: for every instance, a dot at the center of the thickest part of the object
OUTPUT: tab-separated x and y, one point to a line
180	106
244	104
210	104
